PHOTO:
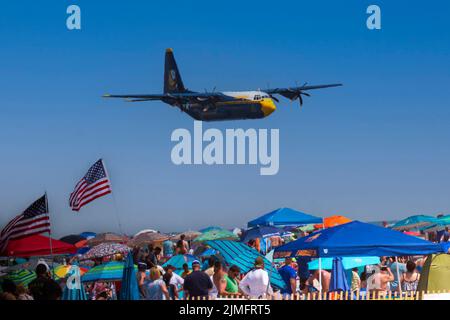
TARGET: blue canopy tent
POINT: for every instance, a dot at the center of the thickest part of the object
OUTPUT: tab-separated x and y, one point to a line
284	217
355	239
129	289
241	255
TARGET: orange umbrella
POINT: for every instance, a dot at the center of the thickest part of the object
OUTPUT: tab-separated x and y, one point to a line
332	221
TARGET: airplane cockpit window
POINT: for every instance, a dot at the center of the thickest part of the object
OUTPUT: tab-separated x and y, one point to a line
257	97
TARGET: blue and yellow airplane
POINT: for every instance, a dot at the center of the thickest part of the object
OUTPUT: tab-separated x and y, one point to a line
215	106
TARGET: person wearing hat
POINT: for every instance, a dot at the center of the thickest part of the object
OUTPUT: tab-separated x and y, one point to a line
256	283
197	284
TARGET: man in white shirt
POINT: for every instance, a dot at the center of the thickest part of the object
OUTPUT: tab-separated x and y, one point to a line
256	283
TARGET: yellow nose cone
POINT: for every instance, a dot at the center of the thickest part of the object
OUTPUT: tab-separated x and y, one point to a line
267	106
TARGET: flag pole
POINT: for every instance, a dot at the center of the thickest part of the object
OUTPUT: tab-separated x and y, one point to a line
49	232
114	199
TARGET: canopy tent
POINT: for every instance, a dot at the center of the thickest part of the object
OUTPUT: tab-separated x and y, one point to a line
37	245
332	221
216	234
284	217
347	262
357	239
415	222
241	255
435	274
260	232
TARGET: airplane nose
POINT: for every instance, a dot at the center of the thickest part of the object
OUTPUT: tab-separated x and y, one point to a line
267	107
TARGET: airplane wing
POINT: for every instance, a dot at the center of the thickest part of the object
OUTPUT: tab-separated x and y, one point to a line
294	93
182	97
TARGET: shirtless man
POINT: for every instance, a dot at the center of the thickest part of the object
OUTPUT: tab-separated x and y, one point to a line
383	278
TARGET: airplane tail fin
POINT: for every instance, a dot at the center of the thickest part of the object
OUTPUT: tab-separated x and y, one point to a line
172	77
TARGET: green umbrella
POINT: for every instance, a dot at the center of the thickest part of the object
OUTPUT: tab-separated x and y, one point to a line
22	276
216	234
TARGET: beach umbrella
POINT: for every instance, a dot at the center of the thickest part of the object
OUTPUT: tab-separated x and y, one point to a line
148	238
110	271
260	232
208	252
338	280
107	238
74	289
145	231
347	262
88	235
332	221
178	261
104	250
243	256
440	225
189	235
216	234
415	222
209	229
72	239
129	289
63	271
23	277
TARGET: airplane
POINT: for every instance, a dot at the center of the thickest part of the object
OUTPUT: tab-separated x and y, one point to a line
216	106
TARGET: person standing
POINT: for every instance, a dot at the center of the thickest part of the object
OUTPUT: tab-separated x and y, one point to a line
197	284
256	283
410	279
156	288
44	287
289	276
218	279
168	248
445	236
393	265
186	270
232	279
356	280
141	276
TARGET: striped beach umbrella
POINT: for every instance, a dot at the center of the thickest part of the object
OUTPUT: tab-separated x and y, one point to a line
110	271
62	271
22	276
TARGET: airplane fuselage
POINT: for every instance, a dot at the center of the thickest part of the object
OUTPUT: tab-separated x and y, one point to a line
249	105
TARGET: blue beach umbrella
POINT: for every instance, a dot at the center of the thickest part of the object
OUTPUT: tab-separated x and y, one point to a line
74	289
178	261
110	271
129	289
260	232
338	280
415	222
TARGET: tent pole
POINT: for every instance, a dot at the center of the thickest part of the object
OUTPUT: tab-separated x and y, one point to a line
49	234
320	276
398	276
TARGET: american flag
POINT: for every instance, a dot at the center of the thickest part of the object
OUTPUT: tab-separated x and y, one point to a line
93	185
34	220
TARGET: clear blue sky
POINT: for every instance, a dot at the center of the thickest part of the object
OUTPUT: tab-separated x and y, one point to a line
377	148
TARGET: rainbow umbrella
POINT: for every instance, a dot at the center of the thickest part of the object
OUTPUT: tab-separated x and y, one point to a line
62	271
